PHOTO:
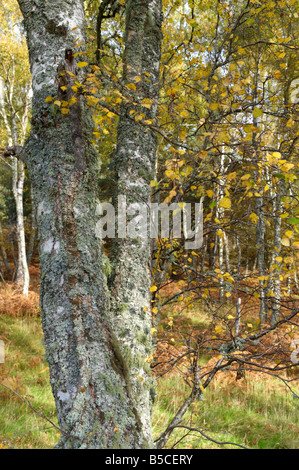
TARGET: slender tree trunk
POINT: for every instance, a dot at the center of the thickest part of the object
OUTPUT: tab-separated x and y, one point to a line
134	164
277	210
22	275
260	226
203	258
18	177
294	266
90	373
226	251
260	243
219	215
238	316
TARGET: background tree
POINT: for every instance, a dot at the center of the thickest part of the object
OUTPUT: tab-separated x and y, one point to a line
14	109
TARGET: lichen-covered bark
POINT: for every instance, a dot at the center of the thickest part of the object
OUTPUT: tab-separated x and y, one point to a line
95	399
134	164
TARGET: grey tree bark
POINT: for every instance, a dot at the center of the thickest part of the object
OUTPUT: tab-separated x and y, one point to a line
91	374
134	165
33	231
275	276
259	203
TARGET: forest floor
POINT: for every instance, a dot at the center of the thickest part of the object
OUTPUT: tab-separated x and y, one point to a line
257	411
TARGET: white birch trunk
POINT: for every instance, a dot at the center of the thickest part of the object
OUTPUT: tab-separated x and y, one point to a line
18	177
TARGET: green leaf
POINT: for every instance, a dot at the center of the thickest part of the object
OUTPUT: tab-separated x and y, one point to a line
278	175
257	112
294	220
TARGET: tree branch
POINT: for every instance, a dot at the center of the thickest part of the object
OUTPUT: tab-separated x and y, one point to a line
14	151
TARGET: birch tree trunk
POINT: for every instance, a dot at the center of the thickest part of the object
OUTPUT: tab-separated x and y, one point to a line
260	243
259	202
219	215
134	164
95	394
22	275
18	177
275	275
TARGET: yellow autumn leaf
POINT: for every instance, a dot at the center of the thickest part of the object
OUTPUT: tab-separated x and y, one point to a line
149	359
131	86
214	106
290	123
79	53
245	177
153	289
48	99
218	329
170	174
225	202
289	234
82	64
184	113
254	217
257	112
92	100
210	193
147	103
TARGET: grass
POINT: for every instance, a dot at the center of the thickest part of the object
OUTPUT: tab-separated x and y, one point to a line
25	372
256	412
259	413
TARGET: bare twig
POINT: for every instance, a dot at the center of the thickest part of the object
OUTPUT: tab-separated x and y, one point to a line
26	401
